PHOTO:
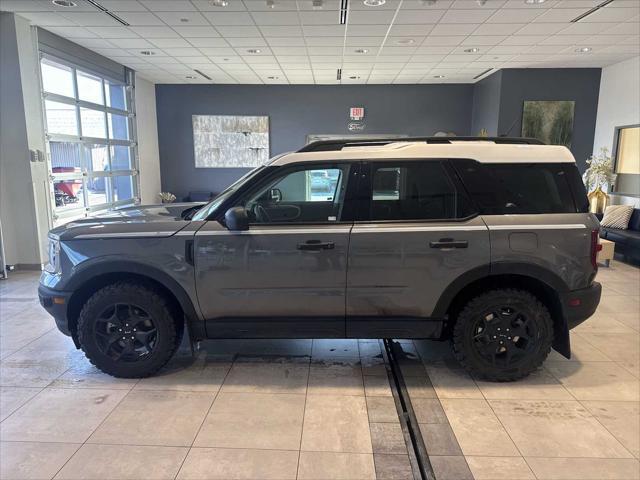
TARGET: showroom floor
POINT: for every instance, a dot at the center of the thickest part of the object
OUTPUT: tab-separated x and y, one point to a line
321	409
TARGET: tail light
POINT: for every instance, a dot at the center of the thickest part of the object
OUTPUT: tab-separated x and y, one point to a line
595	247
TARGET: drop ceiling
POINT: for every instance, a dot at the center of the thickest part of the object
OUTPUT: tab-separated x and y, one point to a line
300	42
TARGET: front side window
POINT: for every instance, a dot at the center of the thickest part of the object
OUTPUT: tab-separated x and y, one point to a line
90	140
313	194
414	190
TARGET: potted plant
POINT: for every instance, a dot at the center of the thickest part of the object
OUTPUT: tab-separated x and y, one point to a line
167	197
598	175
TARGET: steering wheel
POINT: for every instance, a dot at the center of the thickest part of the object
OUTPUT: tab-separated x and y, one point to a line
261	214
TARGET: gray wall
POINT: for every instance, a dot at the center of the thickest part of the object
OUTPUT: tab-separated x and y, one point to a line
581	85
486	104
294	112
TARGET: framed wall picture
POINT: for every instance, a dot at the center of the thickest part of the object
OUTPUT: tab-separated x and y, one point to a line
549	121
230	141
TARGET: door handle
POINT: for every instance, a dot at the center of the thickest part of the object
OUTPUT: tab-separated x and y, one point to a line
316	245
449	243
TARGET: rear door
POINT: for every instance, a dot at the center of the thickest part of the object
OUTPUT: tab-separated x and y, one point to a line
415	235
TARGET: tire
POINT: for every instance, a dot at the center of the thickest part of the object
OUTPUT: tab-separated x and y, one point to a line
514	317
146	322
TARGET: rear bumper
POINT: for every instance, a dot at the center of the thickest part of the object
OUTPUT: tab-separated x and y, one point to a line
55	302
578	305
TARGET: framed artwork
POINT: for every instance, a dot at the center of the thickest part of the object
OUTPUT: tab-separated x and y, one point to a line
230	141
549	121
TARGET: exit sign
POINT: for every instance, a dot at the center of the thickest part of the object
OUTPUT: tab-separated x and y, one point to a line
356	113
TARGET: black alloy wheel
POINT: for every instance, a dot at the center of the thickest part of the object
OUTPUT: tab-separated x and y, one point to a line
125	332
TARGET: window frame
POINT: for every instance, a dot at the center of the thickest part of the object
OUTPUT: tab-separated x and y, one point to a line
351	187
365	193
84	208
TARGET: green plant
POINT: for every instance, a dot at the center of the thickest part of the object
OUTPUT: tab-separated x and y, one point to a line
600	170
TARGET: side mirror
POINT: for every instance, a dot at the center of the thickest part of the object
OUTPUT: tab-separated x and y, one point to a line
237	219
276	195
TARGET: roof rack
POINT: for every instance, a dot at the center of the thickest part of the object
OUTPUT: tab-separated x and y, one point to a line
330	145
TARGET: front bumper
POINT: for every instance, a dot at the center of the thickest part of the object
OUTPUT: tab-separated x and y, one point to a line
578	305
56	302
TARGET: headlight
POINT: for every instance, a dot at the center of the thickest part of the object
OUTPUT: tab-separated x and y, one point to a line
53	265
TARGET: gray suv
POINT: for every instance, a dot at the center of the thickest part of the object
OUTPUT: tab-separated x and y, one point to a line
486	242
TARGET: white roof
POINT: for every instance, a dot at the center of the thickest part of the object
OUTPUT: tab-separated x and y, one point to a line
482	151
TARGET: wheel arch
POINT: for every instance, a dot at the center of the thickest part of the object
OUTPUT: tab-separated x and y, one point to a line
544	284
86	282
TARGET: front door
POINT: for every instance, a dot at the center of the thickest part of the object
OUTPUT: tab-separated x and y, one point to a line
416	235
286	275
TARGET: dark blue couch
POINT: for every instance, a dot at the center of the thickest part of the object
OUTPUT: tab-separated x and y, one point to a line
627	241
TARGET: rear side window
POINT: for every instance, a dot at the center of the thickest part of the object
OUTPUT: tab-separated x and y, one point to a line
415	190
524	188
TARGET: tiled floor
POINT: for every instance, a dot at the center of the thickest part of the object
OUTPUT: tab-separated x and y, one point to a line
318	409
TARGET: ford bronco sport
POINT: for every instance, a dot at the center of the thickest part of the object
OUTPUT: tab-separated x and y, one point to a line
486	242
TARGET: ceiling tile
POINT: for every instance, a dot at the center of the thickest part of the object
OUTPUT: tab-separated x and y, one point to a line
212	42
183	18
276	18
229	18
444	40
114	32
286	41
207	6
168	5
213	51
140	18
541	29
90	19
549	49
291	50
563	15
482	40
281	31
323	30
154	32
246	42
504	49
626	28
371	17
370	30
410	17
612	14
47	19
186	52
522	40
363	41
585	28
450	29
563	39
122	6
498	28
319	18
73	32
131	43
467	16
239	31
196	32
279	6
515	15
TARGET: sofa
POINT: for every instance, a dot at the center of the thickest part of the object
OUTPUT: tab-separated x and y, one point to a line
627	241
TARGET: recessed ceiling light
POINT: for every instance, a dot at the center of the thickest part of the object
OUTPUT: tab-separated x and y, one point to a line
534	2
190	77
64	3
583	50
317	4
472	50
481	3
406	41
273	77
374	3
147	52
254	50
184	20
428	3
219	3
271	3
438	76
354	77
362	50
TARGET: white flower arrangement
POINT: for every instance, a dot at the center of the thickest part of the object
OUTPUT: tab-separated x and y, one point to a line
600	171
167	197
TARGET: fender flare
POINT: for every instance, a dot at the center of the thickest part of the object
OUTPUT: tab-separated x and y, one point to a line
561	341
103	267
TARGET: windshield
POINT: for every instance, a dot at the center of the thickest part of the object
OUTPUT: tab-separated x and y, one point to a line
209	208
